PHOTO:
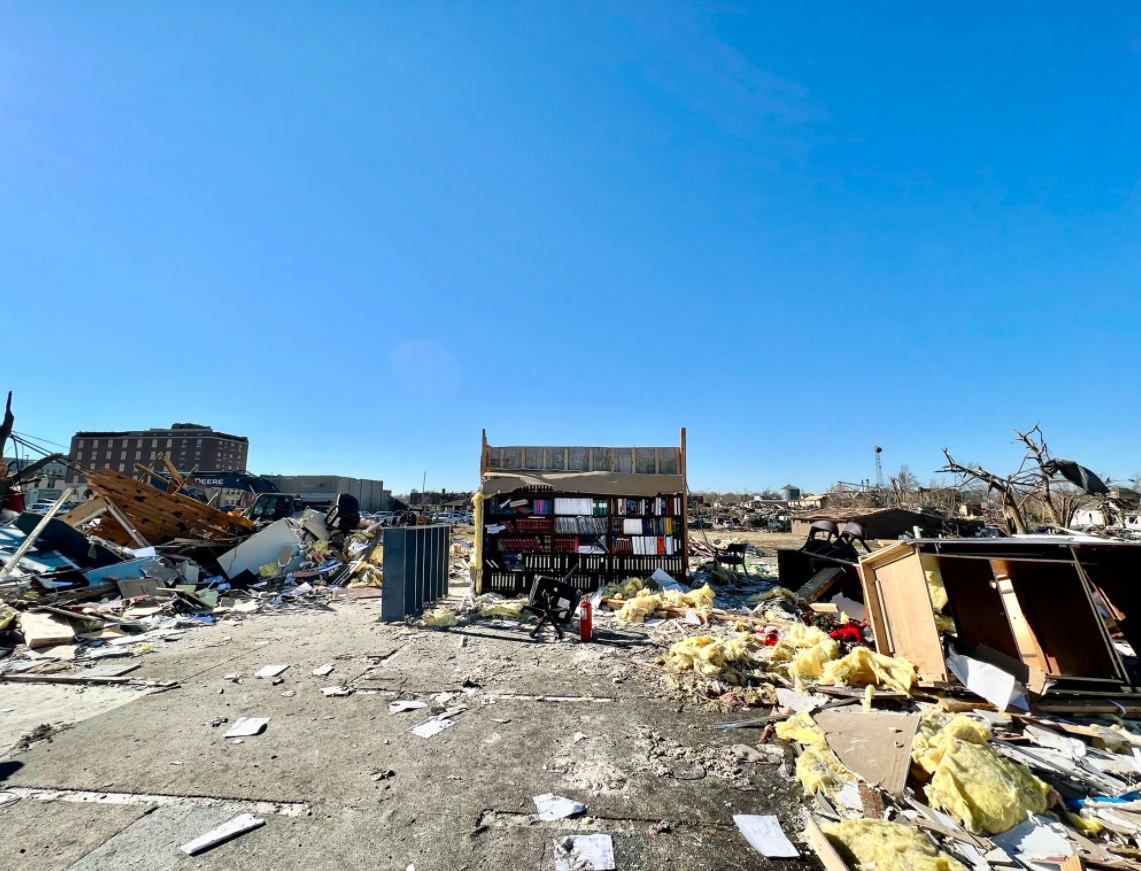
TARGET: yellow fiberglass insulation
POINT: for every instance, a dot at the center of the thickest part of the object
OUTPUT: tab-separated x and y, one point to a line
440	617
937	589
712	657
884	846
511	609
809	664
648	603
863	667
802	729
796	638
774	593
972	782
624	590
817	767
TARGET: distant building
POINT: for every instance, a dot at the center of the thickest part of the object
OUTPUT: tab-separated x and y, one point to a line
48	485
189	446
323	489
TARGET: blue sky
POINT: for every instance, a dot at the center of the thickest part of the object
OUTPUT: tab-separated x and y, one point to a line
361	232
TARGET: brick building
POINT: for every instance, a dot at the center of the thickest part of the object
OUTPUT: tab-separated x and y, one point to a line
189	446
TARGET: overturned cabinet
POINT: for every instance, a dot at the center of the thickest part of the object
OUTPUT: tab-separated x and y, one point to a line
1045	608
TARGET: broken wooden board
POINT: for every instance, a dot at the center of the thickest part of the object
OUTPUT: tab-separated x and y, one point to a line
876	745
159	516
239	825
820	584
45	630
822	847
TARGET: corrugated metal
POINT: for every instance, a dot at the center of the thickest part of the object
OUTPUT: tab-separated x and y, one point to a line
415	569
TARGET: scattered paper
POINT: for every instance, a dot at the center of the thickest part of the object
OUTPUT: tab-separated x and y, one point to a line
555	807
244	726
402	706
322	670
337	691
237	826
855	610
582	852
271	670
691	617
432	727
765	835
655	621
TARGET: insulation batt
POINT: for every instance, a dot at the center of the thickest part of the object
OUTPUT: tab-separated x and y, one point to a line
647	604
712	657
440	617
969	780
864	667
817	767
884	846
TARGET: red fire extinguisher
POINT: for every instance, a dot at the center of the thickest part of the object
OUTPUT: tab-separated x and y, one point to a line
585	621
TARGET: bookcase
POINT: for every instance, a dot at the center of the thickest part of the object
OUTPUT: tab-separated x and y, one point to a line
611	513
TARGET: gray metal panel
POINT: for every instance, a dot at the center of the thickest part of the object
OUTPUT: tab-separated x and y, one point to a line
533	458
415	569
602	459
579	460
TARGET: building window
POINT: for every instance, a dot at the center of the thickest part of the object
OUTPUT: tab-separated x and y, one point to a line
138	455
198	443
154	443
169	442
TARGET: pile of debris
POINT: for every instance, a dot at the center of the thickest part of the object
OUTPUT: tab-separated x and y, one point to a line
138	564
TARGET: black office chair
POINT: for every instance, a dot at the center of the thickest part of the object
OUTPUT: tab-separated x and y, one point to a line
553	601
343	517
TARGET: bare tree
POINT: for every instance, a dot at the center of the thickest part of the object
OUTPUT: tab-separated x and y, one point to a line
904	487
1005	488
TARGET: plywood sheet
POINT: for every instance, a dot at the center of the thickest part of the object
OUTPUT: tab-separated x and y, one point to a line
899	607
876	746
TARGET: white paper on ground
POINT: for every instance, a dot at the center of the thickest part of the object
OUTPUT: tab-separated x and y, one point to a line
322	670
765	835
432	727
987	681
691	617
402	706
336	691
271	670
655	621
1035	841
244	726
556	807
584	851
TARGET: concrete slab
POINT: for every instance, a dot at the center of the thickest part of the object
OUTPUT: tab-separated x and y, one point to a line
152	843
50	837
25	706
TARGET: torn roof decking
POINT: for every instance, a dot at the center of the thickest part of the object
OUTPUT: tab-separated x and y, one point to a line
159	516
598	470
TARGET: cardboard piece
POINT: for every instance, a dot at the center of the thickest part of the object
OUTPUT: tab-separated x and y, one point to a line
45	630
876	746
765	835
